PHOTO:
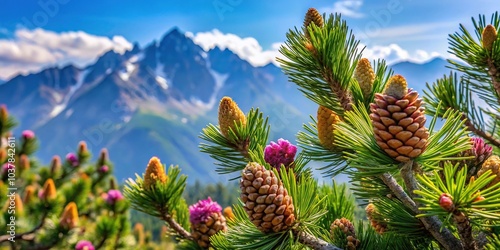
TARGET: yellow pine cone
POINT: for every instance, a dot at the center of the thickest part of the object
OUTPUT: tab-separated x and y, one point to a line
326	120
365	76
69	217
228	213
29	193
396	87
49	190
3	154
24	162
139	233
14	206
493	164
82	147
489	36
154	173
55	165
229	114
266	201
371	212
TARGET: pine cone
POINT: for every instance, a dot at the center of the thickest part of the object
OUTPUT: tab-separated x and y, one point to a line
229	113
371	212
267	202
154	173
348	229
365	76
489	36
398	120
312	16
326	120
493	164
206	220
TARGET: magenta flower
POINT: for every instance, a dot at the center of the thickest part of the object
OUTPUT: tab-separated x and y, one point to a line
72	159
279	153
6	167
114	196
84	245
103	169
200	211
28	134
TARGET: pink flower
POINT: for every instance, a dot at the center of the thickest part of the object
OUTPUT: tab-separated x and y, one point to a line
200	211
279	153
84	245
72	159
6	167
113	196
103	169
28	134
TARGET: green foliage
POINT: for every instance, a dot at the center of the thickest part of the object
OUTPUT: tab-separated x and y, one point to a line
233	154
465	196
338	203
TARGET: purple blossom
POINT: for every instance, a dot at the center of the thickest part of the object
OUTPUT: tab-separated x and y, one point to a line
103	169
200	211
114	196
72	159
28	134
84	245
6	167
279	153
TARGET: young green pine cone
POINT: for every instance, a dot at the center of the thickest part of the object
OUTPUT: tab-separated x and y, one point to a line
229	114
398	120
206	220
347	228
267	202
154	173
365	76
489	36
493	164
326	120
371	212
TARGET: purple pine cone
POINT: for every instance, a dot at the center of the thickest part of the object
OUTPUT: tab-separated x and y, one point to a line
113	196
84	245
480	149
72	159
279	153
200	211
28	134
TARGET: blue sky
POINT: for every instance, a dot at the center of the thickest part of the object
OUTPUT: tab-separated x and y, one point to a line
393	29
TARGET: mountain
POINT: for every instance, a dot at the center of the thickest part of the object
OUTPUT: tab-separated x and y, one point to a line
155	101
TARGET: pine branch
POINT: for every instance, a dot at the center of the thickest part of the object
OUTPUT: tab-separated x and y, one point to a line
432	224
485	135
495	80
27	235
465	230
313	242
178	228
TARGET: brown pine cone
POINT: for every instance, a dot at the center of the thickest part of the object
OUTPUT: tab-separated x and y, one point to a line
371	212
347	228
206	220
267	202
489	36
398	120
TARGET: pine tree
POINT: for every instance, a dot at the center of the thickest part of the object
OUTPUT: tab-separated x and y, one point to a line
422	187
70	204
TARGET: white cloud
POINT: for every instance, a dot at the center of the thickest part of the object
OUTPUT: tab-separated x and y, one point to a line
247	48
393	53
349	8
33	50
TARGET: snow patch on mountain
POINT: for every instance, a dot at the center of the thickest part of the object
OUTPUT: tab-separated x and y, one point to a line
127	71
61	106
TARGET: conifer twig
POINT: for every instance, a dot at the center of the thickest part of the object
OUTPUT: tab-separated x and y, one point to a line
464	230
432	223
493	71
313	242
27	235
487	136
178	228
